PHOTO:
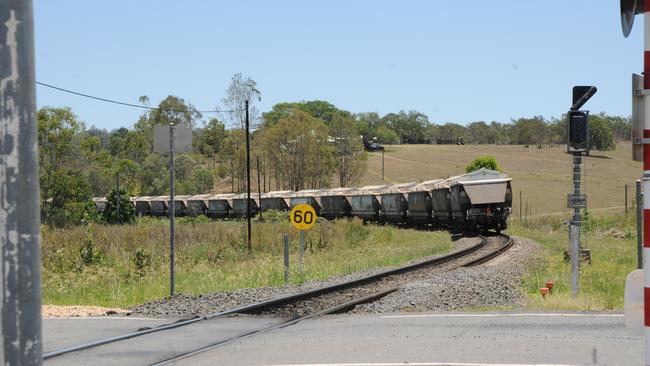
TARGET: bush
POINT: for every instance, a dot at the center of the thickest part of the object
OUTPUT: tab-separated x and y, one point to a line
487	161
126	213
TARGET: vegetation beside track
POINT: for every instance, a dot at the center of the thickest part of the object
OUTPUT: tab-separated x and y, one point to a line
611	238
120	266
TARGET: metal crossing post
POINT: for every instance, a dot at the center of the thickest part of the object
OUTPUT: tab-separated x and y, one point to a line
20	259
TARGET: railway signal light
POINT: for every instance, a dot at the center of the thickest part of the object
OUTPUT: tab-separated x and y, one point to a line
578	129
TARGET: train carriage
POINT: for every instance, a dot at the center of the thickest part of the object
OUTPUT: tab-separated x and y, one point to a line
365	203
483	199
196	205
420	204
336	203
394	205
219	206
277	200
239	207
309	197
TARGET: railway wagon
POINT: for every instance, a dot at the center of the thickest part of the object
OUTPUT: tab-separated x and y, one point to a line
336	203
277	200
239	207
309	197
394	206
481	200
196	205
219	206
158	205
420	204
100	204
365	203
142	206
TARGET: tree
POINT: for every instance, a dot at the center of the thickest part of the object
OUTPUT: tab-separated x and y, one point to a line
350	155
601	136
320	109
240	90
487	161
210	140
118	209
57	129
299	152
70	199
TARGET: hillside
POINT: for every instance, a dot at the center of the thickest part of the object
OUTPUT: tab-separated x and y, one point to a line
544	176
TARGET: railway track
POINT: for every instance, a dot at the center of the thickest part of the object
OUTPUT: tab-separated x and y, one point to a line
326	300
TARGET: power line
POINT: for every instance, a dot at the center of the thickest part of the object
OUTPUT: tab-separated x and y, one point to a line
129	104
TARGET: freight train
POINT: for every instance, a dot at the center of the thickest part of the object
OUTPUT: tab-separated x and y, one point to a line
473	202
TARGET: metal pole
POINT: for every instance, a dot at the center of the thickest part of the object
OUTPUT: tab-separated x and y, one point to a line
248	181
520	213
301	249
625	197
382	165
172	209
639	224
574	237
574	232
117	190
20	262
286	259
259	191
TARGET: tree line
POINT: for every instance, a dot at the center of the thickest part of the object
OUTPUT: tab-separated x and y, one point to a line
414	127
294	146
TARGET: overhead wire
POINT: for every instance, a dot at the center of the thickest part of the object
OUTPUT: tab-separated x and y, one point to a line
130	104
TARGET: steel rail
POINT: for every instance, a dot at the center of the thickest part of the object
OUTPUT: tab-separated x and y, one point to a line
333	310
275	302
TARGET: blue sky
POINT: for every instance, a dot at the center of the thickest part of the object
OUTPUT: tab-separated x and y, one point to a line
456	61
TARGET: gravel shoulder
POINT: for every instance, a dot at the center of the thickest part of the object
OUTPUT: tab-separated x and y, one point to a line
495	284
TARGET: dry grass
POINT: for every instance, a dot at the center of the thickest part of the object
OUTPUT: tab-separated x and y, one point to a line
544	176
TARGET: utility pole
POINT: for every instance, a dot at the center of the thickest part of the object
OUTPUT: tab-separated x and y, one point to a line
259	191
382	165
248	181
20	259
117	190
172	208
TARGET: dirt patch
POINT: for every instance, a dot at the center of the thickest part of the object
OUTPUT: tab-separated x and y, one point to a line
68	311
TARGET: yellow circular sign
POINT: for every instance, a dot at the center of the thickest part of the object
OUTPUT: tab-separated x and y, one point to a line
303	217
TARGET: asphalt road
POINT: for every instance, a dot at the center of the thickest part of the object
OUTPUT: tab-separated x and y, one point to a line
480	339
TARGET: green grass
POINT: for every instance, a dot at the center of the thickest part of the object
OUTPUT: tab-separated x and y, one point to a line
612	241
120	266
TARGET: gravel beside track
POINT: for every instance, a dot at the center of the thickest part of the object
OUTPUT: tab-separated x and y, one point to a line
494	284
184	305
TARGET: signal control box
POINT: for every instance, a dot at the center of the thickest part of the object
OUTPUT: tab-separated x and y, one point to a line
578	131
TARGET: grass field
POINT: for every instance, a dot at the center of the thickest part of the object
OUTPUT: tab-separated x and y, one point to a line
544	176
118	266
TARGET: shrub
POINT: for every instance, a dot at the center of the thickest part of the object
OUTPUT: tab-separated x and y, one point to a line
126	212
486	161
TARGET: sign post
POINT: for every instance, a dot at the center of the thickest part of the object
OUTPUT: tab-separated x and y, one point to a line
179	139
303	217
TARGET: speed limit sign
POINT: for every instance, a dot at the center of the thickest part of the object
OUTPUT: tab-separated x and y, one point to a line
303	217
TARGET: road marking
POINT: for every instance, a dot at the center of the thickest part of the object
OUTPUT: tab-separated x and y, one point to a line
425	364
504	315
100	318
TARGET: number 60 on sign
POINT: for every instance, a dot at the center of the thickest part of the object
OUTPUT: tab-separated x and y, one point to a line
303	217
